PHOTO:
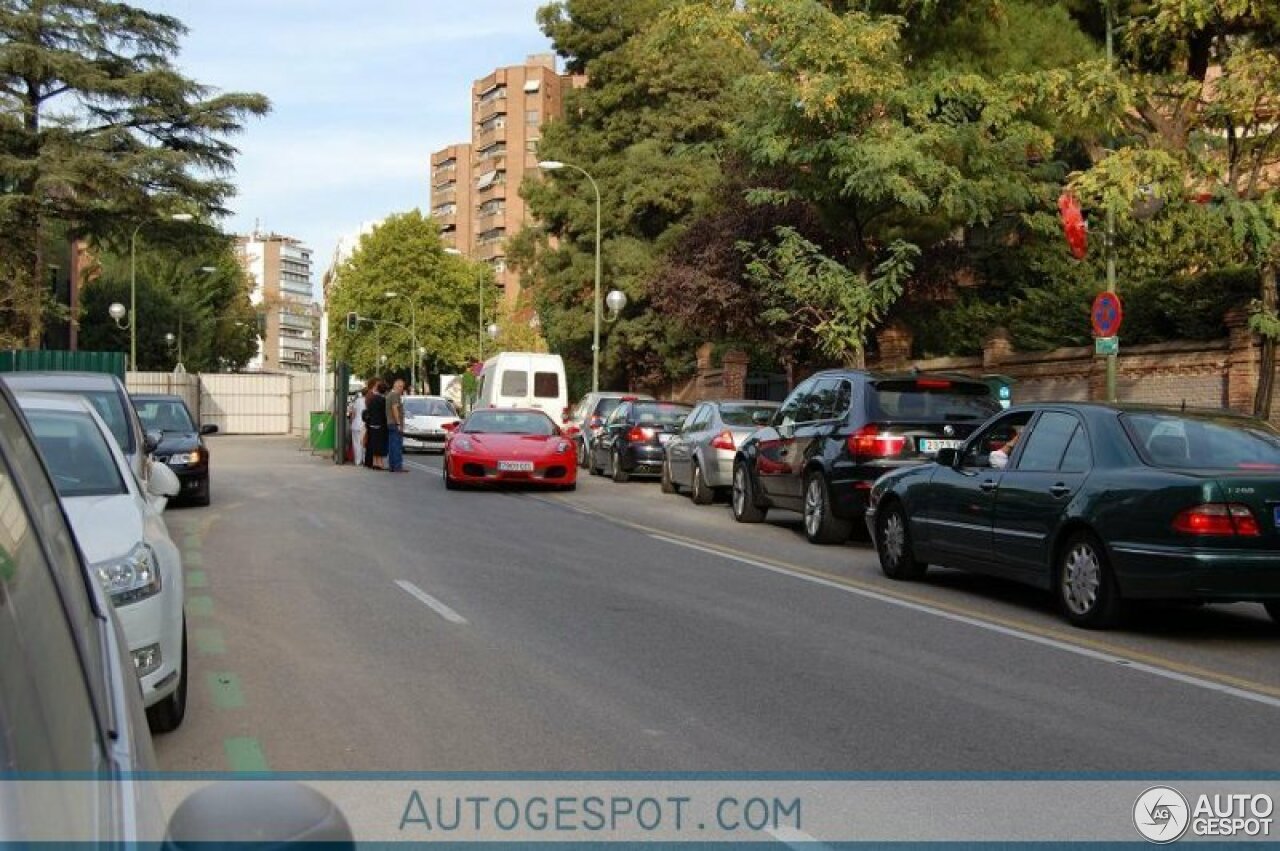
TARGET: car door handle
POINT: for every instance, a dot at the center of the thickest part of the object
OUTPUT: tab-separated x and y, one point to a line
988	485
1059	490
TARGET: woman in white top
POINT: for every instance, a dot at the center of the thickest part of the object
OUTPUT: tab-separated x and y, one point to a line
356	414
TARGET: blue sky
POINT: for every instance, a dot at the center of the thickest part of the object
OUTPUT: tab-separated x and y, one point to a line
362	93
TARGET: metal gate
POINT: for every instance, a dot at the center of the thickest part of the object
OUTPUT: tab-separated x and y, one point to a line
243	403
767	387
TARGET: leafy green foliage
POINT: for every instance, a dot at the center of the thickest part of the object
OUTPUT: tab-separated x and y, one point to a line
99	132
404	255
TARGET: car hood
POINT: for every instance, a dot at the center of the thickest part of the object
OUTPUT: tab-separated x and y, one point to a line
514	445
177	441
422	422
106	526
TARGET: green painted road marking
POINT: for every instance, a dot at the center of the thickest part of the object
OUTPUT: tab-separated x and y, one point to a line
197	579
192	559
225	688
245	754
209	641
191	542
200	605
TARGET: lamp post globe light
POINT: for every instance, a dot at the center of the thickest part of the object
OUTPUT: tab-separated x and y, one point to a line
118	312
555	165
133	289
616	300
492	330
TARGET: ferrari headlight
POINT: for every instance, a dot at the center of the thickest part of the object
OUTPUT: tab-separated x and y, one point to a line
461	444
192	457
132	578
563	446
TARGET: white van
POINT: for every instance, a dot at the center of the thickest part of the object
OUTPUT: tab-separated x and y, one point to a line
525	380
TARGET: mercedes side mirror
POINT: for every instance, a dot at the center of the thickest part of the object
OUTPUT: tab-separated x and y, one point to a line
261	813
151	440
947	457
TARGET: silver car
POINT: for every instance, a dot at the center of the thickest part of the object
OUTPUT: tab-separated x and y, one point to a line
700	456
425	418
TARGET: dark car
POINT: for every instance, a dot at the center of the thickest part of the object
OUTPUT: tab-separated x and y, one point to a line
633	440
589	414
181	445
1100	503
839	431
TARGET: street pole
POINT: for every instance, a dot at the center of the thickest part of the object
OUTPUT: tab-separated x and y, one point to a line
480	322
413	364
1110	238
133	299
552	165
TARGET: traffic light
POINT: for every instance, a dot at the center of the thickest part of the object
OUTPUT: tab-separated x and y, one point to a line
353	319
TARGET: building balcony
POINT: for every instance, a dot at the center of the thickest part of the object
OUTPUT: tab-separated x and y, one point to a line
487	108
497	189
445	220
490	251
484	137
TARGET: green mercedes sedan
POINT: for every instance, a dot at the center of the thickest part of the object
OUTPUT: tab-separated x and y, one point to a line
1099	504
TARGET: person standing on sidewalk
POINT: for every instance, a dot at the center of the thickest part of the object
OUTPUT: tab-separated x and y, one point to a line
395	428
355	413
376	441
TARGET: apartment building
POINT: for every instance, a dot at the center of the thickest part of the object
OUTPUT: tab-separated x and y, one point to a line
280	270
475	188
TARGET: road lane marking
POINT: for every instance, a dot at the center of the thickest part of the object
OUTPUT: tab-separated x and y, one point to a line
197	579
431	602
225	688
244	754
423	467
194	558
1210	680
209	641
199	605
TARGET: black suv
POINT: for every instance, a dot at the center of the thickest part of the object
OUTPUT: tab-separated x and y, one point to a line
633	441
839	431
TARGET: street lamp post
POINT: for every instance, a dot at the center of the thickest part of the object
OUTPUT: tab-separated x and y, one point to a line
413	333
553	165
133	289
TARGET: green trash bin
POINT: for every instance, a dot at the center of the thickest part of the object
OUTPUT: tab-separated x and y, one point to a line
321	434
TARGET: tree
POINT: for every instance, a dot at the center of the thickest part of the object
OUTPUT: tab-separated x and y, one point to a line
404	255
99	131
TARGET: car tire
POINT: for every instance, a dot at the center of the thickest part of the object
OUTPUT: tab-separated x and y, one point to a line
166	716
1273	609
616	472
591	463
821	526
893	545
698	490
583	460
450	484
743	500
1085	584
667	484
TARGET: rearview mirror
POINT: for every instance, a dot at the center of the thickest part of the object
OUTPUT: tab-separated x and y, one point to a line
151	440
266	813
163	482
209	428
947	457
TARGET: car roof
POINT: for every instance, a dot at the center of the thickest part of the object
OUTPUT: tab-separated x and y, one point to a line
1139	408
157	397
895	375
62	380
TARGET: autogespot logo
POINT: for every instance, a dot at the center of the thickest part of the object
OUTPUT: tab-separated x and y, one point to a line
1161	814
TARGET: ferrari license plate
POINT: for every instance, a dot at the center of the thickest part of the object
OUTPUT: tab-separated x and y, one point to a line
930	446
515	466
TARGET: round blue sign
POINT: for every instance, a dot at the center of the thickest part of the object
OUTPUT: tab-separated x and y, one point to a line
1107	314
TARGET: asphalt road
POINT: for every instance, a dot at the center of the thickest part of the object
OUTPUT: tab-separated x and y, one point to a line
350	620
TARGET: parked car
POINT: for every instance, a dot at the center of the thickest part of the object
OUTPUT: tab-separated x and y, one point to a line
700	455
525	380
109	398
839	431
125	541
1101	504
509	446
589	414
70	701
425	419
633	440
181	444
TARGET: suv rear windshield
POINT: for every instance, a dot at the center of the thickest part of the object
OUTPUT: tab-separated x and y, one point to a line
1186	443
930	399
662	413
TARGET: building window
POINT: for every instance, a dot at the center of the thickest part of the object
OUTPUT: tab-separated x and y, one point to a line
531	145
496	122
532	116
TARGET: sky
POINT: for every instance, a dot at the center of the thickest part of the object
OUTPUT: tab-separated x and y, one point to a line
362	92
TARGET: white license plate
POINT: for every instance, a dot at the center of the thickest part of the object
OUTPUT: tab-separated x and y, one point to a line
663	437
931	446
515	466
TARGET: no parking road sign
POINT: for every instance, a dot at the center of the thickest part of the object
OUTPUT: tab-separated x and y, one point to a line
1107	314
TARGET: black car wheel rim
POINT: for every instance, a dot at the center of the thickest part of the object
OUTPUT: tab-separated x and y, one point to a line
893	538
1081	579
814	506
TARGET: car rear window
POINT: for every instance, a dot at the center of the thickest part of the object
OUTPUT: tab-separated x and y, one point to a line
605	406
661	413
515	382
546	385
926	399
1186	443
745	415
